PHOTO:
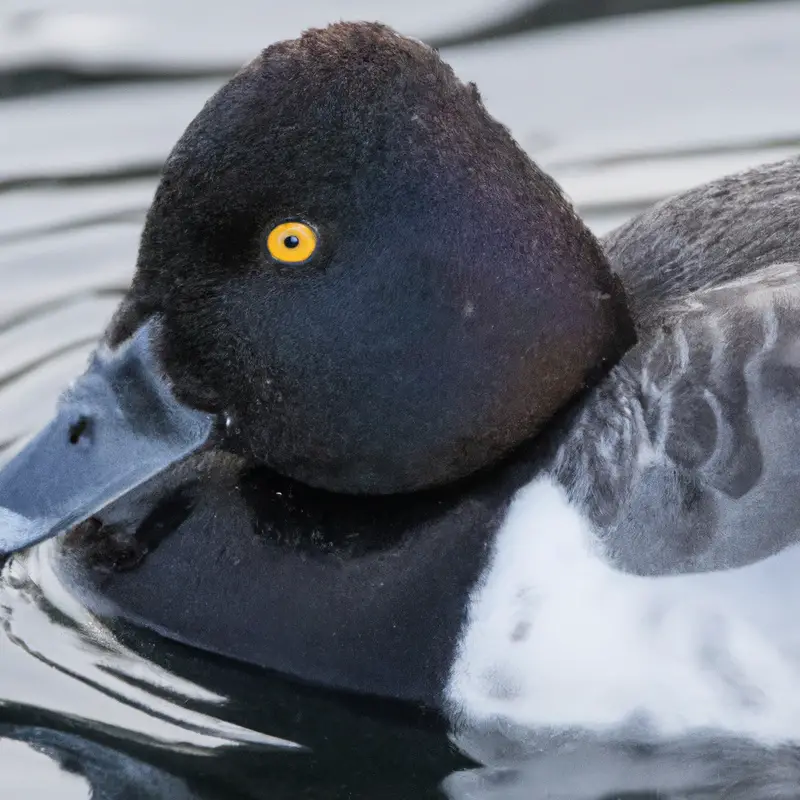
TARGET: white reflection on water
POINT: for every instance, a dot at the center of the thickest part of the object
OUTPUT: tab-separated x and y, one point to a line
34	775
57	657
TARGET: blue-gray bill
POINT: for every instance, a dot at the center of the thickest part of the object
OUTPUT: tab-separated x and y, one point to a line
117	426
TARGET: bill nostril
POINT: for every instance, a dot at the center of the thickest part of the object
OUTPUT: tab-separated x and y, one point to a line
79	429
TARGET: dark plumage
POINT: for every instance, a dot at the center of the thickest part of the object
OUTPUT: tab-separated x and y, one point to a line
432	344
457	336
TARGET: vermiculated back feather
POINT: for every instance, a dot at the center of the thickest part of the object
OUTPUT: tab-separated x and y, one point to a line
687	456
717	232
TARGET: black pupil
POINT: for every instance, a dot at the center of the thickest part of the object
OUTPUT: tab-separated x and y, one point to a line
291	242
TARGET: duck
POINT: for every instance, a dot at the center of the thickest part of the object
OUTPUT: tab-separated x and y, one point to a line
381	414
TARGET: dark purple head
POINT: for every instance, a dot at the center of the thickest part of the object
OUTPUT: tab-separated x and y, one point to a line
353	262
453	303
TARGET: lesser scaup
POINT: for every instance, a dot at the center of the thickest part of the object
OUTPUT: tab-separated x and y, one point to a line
429	445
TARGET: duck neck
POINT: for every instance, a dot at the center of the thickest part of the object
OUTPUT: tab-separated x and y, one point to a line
363	594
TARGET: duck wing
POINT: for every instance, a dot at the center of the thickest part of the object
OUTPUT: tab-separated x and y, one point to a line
709	235
687	457
714	398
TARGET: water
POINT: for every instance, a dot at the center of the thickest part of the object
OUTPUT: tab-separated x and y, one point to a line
622	111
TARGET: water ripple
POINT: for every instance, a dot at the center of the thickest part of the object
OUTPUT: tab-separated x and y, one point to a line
61	660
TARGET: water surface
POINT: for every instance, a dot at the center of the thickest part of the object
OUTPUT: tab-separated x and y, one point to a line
622	110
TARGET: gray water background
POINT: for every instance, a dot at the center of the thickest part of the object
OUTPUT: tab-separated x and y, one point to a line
622	103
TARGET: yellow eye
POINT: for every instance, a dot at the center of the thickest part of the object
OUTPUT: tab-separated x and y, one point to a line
292	242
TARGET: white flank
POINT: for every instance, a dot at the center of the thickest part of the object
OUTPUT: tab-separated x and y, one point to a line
556	637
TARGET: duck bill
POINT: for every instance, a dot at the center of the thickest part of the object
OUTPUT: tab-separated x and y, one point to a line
117	426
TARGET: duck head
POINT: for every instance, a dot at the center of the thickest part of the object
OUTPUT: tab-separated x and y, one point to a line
350	273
